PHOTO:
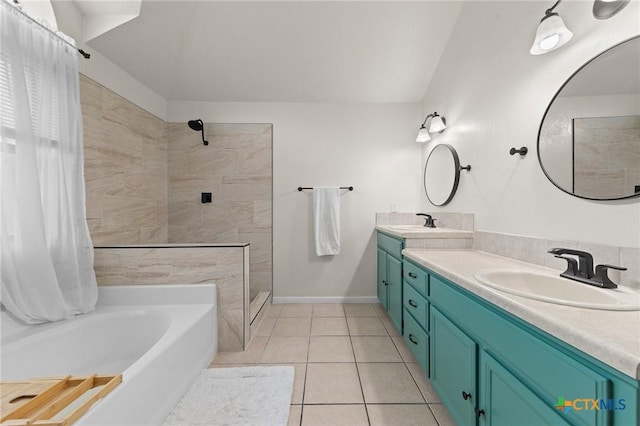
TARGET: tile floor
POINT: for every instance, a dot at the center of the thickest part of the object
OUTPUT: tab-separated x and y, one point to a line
352	366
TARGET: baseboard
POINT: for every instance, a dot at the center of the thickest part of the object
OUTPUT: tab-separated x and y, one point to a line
345	299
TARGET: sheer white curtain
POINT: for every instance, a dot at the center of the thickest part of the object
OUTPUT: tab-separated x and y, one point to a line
45	247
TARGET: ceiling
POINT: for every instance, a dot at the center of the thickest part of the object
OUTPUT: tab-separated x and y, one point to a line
291	51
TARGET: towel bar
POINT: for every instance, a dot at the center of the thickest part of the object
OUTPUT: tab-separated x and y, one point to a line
350	188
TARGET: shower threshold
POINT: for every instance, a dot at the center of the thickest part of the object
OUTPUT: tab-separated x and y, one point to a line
257	304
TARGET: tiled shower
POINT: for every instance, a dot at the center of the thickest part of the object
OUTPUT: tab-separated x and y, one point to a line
144	182
236	168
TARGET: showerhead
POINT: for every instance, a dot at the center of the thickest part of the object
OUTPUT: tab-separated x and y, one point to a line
198	126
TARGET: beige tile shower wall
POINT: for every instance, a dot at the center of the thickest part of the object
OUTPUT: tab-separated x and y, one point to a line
125	155
223	266
236	167
606	156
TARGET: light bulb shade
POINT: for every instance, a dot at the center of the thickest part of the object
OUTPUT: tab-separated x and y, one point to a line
437	124
603	9
551	34
423	135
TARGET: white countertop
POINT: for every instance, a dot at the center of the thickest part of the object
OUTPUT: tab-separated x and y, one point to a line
419	231
612	337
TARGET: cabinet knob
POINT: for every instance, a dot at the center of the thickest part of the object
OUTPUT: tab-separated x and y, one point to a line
479	412
384	282
466	395
412	340
412	275
412	303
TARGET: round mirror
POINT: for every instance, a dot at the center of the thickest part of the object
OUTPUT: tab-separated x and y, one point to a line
589	138
441	174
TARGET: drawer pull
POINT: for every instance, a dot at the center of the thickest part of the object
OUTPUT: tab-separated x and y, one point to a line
479	412
412	275
412	340
412	303
465	395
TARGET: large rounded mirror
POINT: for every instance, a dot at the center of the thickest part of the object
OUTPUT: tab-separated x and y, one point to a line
589	138
442	174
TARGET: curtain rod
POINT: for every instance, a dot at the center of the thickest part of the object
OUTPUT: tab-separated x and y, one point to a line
82	52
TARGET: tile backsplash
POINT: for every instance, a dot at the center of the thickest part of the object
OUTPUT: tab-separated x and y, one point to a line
463	221
534	250
527	249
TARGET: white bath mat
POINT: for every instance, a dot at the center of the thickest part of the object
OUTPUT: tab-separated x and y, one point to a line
256	396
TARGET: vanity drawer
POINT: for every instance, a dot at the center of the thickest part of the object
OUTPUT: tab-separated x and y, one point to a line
416	277
416	305
417	341
391	245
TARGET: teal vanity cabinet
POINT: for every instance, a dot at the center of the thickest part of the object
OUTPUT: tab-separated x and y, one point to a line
390	277
490	367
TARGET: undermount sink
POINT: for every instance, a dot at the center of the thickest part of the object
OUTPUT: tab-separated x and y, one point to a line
555	289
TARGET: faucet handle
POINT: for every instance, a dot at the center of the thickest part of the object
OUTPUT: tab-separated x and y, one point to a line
572	265
601	275
428	220
605	267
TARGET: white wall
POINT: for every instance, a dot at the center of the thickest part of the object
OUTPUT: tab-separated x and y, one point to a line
369	146
494	94
70	21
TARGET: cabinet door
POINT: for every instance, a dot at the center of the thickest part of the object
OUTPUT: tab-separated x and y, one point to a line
453	358
382	278
394	275
505	401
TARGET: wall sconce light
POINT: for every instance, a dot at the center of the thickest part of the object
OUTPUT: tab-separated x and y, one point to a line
437	125
551	33
605	9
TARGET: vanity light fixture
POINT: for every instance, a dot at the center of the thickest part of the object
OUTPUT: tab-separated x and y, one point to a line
605	9
551	33
437	125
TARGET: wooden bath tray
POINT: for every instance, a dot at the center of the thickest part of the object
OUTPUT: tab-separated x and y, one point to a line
38	401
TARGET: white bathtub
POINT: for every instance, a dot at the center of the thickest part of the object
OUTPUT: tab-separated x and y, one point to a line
159	337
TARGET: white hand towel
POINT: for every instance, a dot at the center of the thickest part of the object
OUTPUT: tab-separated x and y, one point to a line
326	218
